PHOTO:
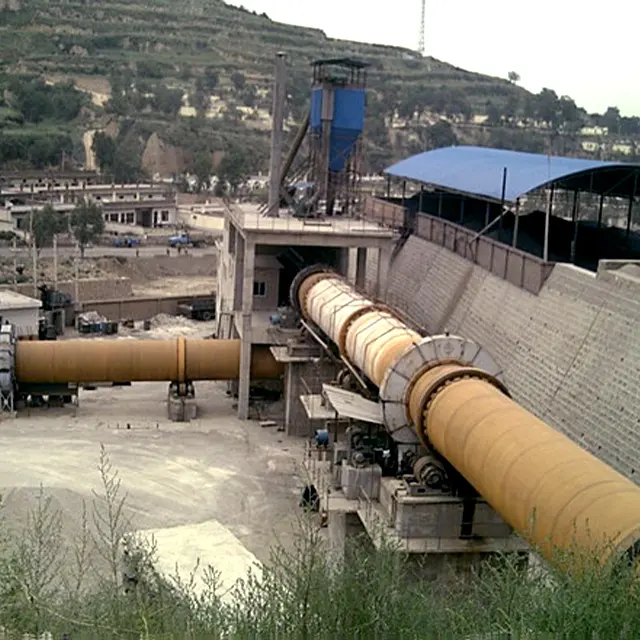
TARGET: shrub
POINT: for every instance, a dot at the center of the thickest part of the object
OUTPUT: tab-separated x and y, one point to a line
77	587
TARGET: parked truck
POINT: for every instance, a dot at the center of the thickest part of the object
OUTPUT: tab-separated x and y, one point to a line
199	309
184	239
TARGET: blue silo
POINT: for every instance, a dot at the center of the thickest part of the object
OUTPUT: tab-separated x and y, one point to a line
338	98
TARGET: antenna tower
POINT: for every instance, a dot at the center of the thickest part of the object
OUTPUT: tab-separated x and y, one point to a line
423	19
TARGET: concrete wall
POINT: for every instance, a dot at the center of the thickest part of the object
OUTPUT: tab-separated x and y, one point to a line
137	308
25	321
209	223
271	278
161	265
88	289
571	354
314	374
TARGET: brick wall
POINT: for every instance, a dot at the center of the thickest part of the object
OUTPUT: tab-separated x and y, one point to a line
570	354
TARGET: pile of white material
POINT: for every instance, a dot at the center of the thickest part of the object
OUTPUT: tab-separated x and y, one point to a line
164	320
165	326
187	551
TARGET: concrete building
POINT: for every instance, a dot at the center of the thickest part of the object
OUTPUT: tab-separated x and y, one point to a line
34	181
143	205
21	311
258	259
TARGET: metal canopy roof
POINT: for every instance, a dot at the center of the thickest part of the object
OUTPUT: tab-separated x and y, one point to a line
352	405
478	172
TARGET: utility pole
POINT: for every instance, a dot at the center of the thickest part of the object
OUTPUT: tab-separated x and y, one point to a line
34	255
55	260
423	19
75	273
279	97
15	260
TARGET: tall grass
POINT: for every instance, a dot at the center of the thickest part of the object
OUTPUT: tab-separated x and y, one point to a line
95	587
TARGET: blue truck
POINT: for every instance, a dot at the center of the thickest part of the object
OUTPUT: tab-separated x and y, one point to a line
186	240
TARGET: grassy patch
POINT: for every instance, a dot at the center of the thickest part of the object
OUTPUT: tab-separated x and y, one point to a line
84	586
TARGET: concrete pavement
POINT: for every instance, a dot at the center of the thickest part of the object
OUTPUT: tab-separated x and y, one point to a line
244	482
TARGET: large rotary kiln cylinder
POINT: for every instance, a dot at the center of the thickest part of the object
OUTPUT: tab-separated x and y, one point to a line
368	335
137	360
550	490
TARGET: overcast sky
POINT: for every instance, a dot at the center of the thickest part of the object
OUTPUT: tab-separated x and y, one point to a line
586	50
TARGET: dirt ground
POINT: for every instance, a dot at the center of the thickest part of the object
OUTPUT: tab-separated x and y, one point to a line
175	286
215	468
150	275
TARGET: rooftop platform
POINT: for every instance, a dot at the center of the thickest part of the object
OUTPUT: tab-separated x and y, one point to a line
286	230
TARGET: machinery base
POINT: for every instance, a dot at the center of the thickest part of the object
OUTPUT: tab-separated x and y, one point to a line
181	408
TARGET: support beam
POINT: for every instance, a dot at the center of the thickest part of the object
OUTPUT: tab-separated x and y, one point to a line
600	209
631	198
576	219
245	348
502	201
382	275
547	224
361	268
352	264
516	224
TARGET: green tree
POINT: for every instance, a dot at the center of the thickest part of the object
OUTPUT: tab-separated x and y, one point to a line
87	223
104	147
127	161
238	80
494	115
203	168
249	96
167	100
46	223
547	107
570	115
151	69
210	79
441	134
514	77
234	168
611	119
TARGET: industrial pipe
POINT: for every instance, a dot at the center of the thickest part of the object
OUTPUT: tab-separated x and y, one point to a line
177	360
550	490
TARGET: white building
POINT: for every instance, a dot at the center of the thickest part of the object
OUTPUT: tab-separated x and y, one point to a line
21	311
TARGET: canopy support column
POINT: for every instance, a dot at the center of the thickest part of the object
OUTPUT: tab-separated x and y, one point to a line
600	209
575	219
502	200
631	198
547	223
516	224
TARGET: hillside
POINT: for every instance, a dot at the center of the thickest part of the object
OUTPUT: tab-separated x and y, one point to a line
198	74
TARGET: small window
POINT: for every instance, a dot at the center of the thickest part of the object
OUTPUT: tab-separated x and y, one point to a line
130	217
165	216
259	289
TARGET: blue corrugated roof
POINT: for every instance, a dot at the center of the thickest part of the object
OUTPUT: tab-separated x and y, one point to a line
478	171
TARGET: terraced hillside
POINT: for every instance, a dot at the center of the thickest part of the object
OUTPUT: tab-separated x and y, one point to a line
198	72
